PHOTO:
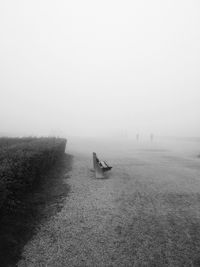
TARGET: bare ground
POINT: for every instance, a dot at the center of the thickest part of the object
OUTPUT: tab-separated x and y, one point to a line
146	212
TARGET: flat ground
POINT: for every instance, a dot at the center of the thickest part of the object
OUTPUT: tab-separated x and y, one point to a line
146	212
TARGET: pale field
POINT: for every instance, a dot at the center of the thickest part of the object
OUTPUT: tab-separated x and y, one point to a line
146	212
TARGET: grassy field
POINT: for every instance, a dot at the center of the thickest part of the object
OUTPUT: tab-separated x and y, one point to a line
146	212
24	164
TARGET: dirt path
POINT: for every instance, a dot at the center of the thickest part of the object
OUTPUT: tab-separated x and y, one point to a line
146	213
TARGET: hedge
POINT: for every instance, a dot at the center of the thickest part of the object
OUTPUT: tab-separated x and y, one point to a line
22	163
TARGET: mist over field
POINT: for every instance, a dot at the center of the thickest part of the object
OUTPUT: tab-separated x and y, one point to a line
108	69
118	78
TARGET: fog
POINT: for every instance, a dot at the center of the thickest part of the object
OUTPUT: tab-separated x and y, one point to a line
100	68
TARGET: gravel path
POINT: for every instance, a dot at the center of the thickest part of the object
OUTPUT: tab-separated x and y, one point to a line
146	212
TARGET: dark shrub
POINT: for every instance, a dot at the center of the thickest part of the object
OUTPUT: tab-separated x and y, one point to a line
22	162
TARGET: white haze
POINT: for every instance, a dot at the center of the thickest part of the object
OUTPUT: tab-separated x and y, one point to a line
100	68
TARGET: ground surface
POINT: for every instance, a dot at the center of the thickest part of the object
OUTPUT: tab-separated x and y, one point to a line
146	212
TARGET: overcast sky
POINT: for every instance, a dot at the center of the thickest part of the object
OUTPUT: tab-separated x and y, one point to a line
86	67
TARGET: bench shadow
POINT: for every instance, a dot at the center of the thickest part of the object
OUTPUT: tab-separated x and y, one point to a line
106	176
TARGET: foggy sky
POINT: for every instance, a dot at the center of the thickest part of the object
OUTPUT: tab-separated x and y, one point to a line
100	67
